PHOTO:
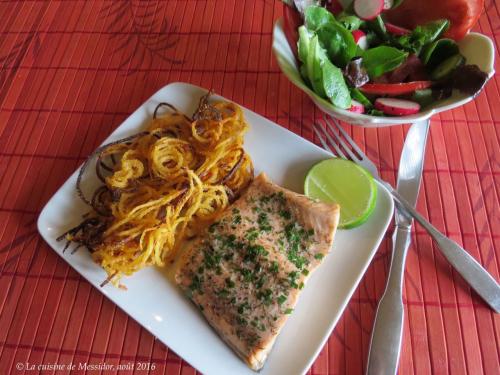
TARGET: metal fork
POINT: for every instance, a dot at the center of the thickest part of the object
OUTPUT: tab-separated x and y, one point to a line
339	143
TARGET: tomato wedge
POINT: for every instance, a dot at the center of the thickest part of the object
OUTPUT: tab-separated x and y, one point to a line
393	89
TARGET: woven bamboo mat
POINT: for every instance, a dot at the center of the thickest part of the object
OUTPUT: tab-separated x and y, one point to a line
72	71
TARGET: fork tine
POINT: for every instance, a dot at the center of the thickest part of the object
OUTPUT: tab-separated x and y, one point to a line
332	142
348	137
341	142
322	140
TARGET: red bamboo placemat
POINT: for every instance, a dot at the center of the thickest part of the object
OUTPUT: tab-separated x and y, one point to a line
72	71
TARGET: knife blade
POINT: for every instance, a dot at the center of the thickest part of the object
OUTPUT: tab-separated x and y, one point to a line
387	331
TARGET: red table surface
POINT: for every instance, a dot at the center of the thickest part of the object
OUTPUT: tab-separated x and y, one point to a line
72	71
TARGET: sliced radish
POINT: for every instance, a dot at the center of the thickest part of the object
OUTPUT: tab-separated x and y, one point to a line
397	107
356	107
396	30
360	39
368	9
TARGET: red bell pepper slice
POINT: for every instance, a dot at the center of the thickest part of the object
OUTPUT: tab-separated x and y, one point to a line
393	89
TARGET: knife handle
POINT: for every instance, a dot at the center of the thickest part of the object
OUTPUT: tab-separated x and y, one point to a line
387	332
477	277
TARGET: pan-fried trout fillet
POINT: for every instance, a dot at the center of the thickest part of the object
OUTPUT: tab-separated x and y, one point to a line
246	270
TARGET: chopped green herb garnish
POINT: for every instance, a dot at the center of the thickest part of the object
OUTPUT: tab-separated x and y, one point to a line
292	278
196	283
244	306
319	256
285	214
288	311
247	274
229	283
241	320
263	222
211	259
281	299
228	256
223	292
252	234
265	296
253	252
274	267
265	198
260	282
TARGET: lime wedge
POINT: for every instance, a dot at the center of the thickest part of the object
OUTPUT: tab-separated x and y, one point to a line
346	183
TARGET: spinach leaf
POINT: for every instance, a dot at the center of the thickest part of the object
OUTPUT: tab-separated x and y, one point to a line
338	42
422	35
438	51
382	59
377	25
316	17
372	38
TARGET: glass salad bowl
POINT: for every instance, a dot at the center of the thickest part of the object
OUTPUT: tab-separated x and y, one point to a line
476	48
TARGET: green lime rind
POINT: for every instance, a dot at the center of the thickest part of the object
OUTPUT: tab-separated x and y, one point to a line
368	213
343	182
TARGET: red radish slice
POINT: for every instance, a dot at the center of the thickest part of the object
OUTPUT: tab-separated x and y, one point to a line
396	30
368	9
360	39
356	107
397	107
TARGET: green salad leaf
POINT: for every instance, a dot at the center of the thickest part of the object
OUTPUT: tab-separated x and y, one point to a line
318	71
303	44
315	59
335	87
333	36
438	51
377	25
356	94
338	42
316	17
349	21
382	59
422	35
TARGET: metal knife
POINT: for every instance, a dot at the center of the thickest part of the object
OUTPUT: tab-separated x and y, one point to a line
387	331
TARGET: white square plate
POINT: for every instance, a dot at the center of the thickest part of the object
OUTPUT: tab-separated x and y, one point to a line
155	302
